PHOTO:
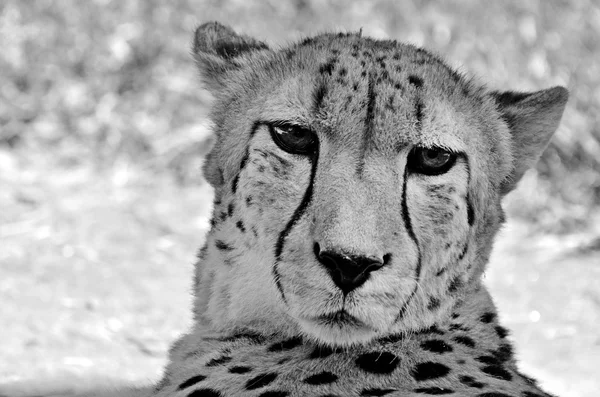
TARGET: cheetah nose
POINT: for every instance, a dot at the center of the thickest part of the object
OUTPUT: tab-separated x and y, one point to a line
348	272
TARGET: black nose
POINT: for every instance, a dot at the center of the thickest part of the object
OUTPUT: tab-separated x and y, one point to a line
348	272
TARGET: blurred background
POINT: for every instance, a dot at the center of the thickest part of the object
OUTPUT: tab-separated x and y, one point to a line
102	204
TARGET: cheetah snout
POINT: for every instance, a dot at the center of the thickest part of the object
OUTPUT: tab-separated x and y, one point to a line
349	272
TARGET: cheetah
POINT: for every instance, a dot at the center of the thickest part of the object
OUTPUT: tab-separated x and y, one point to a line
358	187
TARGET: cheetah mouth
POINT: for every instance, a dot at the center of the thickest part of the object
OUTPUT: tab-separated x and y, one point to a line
340	319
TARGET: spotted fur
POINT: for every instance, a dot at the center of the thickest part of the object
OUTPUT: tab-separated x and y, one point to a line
269	320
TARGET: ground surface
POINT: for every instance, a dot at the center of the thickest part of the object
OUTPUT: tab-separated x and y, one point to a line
102	208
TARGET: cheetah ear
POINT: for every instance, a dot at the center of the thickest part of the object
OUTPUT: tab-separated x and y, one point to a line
217	49
532	119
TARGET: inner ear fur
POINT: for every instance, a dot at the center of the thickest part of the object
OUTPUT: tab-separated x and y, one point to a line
218	48
532	119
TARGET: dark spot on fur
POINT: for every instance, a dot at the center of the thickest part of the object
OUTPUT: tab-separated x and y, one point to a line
434	391
503	353
218	361
234	184
240	369
240	225
261	380
220	244
497	371
308	41
464	340
501	331
191	381
455	284
343	72
283	360
471	382
378	362
419	112
230	209
376	392
355	86
441	271
455	316
327	68
416	81
429	370
321	378
433	304
436	346
205	393
458	327
487	317
287	344
489	360
433	330
463	252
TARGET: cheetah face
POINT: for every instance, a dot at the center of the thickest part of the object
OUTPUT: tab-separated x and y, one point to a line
360	239
358	183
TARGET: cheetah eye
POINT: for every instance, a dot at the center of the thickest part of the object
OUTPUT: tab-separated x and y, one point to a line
430	161
292	138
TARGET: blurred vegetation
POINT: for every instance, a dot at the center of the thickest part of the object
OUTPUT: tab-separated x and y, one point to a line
104	82
102	132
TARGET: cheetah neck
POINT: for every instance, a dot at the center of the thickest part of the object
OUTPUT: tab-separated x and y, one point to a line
469	352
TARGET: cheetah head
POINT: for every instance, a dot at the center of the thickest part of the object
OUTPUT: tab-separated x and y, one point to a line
358	183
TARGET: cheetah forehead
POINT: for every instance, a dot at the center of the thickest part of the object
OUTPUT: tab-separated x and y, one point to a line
398	93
